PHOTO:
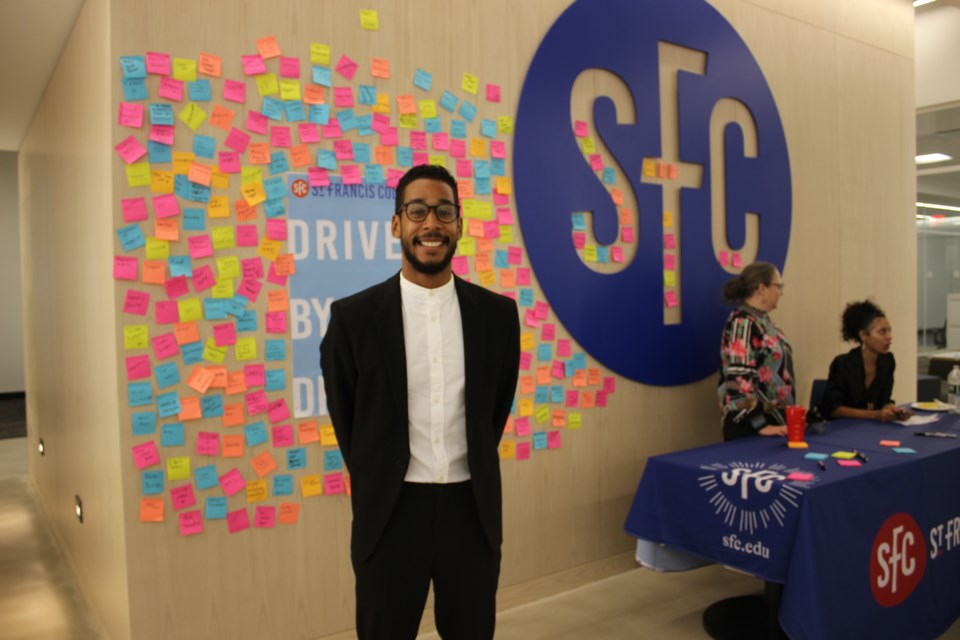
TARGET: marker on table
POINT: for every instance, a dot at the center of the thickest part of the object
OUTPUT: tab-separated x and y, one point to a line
822	464
861	456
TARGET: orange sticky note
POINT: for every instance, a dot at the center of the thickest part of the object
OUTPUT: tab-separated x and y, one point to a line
508	279
580	378
313	94
219	377
268	48
186	332
385	155
465	189
289	512
380	68
263	463
151	509
587	400
232	445
543	375
154	271
236	382
200	173
199	379
285	265
889	443
233	414
167	229
259	153
527	385
406	104
190	409
244	211
593	376
221	117
209	64
300	156
307	432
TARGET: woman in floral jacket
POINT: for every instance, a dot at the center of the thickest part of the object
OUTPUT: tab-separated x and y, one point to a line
756	378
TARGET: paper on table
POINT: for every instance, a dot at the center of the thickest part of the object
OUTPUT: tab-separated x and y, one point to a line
918	420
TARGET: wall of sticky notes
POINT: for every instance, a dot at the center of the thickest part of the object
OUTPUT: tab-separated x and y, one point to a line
157	182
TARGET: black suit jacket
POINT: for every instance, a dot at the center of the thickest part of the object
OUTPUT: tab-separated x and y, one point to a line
365	378
845	386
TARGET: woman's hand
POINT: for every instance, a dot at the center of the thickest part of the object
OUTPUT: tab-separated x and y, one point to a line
774	430
887	414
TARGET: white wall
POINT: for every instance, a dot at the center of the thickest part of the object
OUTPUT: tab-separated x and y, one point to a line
11	311
937	52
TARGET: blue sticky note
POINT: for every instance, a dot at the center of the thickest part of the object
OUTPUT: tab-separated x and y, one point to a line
364	124
467	110
144	423
481	169
423	80
348	121
609	175
192	352
152	483
276	350
815	456
278	163
215	508
168	404
579	221
197	192
214	309
159	153
498	167
361	152
237	306
322	76
545	352
332	460
161	113
134	89
204	146
526	298
373	174
539	440
294	110
131	237
274	208
319	113
171	435
448	101
404	157
283	485
488	128
167	374
194	219
432	125
458	129
603	255
272	108
481	186
180	266
276	380
904	450
199	91
580	361
296	458
247	321
212	406
139	394
133	66
556	393
501	259
541	395
206	477
256	433
327	159
368	94
569	368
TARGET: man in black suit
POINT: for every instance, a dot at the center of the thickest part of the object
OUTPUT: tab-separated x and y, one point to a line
420	373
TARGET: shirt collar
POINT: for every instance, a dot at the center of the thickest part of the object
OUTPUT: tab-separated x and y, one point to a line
415	292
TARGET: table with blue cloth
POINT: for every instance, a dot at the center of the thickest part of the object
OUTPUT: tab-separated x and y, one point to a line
869	551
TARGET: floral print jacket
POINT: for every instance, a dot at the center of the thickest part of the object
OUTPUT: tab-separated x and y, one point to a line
756	377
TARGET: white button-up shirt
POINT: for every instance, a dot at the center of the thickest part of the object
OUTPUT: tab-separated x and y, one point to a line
433	339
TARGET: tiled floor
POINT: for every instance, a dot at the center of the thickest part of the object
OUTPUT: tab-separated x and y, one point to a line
39	598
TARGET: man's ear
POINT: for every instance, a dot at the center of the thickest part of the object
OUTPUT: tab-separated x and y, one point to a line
395	226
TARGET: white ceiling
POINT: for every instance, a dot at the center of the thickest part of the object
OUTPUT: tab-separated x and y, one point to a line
32	35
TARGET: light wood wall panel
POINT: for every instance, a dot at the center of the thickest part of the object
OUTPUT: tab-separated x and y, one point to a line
844	91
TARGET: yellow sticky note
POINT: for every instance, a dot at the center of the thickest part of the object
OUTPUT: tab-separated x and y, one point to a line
543	414
488	278
228	267
506	234
250	175
290	89
478	147
223	237
138	174
798	445
590	253
269	249
505	124
504	185
467	246
669	279
319	53
844	455
588	145
649	168
218	207
369	20
574	420
256	490
161	181
253	193
157	249
182	161
668	218
267	84
311	485
508	450
219	180
223	290
527	341
136	336
437	160
428	108
383	103
245	349
184	69
470	83
178	468
213	353
408	121
192	116
190	309
328	437
525	407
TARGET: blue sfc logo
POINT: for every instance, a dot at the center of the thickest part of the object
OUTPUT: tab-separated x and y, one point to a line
711	189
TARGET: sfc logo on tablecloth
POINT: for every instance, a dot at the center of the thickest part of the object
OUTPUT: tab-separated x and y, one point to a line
898	560
751	496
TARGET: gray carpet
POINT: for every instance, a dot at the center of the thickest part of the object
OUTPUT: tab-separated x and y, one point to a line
13	416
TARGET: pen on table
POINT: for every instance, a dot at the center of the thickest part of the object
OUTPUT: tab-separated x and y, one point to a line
936	434
861	456
822	464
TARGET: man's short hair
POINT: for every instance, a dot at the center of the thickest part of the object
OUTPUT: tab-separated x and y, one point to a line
429	172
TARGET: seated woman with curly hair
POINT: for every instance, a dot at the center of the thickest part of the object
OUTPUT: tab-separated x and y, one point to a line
861	380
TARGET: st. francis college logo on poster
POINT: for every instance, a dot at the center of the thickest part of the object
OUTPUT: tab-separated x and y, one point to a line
635	271
750	496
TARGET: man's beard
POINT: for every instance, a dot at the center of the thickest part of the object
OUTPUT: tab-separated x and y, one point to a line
431	268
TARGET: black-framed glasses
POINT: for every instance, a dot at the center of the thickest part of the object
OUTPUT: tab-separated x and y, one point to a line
778	285
418	211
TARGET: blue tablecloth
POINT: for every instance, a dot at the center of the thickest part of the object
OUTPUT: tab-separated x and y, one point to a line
863	552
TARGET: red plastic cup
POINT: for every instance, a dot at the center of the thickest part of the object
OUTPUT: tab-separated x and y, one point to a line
796	423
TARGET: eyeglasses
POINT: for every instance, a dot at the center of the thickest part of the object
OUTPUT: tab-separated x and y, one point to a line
418	211
778	285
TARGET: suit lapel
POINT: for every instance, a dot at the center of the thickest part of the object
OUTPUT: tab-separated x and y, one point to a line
389	320
471	318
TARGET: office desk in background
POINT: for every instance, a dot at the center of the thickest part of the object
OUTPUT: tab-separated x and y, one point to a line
863	552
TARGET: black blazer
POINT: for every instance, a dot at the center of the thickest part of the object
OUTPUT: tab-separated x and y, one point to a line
365	379
845	386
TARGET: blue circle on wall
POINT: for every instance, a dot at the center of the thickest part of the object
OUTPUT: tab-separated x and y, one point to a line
618	318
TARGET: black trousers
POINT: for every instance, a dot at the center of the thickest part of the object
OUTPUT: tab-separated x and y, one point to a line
434	534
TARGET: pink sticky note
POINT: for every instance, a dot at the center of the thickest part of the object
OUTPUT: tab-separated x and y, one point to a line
799	476
573	398
276	321
609	384
346	67
176	287
158	63
669	241
254	375
563	348
166	312
273	278
498	149
237	140
579	239
309	132
670	299
191	522
421	157
343	149
238	520
253	65
460	265
849	463
130	150
723	258
441	141
526	358
200	247
523	451
493	92
393	177
279	411
134	209
182	497
549	332
130	115
208	444
530	319
332	128
265	517
351	174
289	67
616	253
203	278
257	122
522	427
458	149
380	122
626	234
249	289
558	370
333	483
138	367
171	89
541	309
235	91
596	162
580	128
229	162
601	398
491	230
669	262
145	455
464	169
553	440
137	303
418	140
318	177
280	137
166	206
225	334
282	435
252	268
500	199
256	402
343	97
124	268
232	481
523	276
505	215
165	346
247	235
736	260
162	133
